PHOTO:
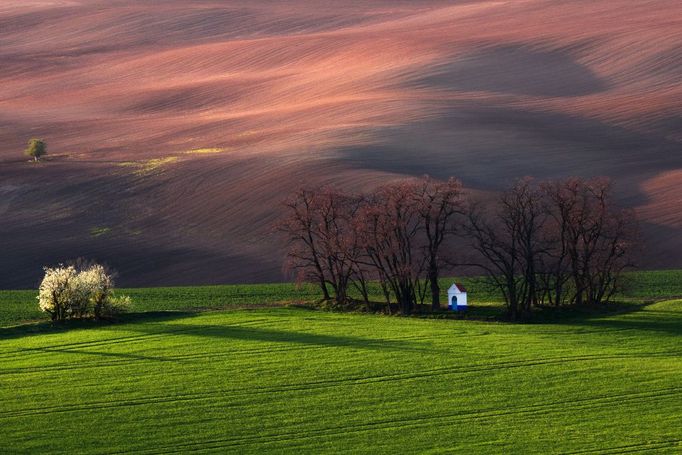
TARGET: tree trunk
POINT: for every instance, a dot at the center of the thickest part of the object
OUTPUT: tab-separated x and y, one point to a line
325	292
341	295
435	288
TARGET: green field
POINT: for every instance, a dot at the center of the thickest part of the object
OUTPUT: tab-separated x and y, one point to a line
18	307
248	379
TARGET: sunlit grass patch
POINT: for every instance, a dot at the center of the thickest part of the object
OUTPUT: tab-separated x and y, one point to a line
146	167
99	231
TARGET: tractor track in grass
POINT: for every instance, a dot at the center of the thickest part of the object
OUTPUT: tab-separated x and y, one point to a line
413	422
139	357
301	386
203	356
631	448
255	351
266	321
133	338
67	348
267	350
24	352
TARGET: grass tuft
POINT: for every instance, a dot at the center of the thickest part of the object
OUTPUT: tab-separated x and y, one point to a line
99	231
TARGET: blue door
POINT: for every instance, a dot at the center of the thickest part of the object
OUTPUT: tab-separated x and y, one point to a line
453	303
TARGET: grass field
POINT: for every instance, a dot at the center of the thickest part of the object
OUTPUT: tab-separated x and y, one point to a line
17	307
295	380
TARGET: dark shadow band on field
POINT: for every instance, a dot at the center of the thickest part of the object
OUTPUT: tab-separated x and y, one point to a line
49	327
259	334
618	316
488	145
118	355
668	325
227	331
515	69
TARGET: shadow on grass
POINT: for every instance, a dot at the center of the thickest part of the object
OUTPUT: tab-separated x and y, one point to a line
218	331
617	315
260	334
549	315
672	327
116	355
543	315
647	319
49	327
623	316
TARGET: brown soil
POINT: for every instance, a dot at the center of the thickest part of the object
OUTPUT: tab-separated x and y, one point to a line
175	128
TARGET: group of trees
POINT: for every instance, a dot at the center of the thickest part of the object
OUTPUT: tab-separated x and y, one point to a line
557	242
393	235
549	243
75	292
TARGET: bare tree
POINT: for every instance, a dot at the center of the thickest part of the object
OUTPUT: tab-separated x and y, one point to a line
555	274
596	237
439	204
389	225
337	239
301	226
557	242
362	270
322	243
509	243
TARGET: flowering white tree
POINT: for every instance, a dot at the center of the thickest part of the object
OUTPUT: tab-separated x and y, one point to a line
57	291
67	292
98	285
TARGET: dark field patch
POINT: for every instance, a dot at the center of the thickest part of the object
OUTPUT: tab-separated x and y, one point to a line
517	70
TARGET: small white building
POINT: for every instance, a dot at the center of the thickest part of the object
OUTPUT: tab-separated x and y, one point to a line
457	297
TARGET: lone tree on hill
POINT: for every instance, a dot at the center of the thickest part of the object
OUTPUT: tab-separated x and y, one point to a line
36	148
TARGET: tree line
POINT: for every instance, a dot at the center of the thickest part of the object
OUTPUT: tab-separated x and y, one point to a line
541	243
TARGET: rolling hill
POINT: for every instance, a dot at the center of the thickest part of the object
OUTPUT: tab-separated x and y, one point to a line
175	128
